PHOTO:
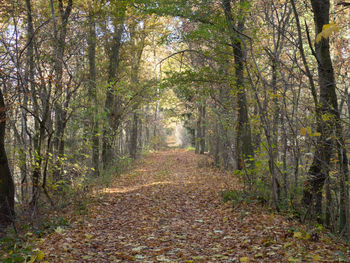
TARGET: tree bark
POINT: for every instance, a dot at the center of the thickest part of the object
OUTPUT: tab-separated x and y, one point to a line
60	107
329	123
203	129
113	117
243	137
93	93
30	82
199	130
133	139
7	191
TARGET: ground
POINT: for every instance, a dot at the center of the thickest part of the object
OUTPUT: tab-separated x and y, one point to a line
168	208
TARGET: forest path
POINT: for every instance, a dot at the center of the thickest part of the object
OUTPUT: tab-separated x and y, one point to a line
167	209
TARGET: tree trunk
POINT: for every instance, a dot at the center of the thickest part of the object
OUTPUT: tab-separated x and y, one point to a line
140	136
203	129
284	154
39	138
328	106
217	144
199	130
133	139
93	93
113	117
274	141
243	136
134	81
7	191
30	80
60	106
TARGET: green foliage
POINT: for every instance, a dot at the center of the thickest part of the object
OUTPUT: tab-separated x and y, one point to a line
192	10
106	177
14	249
20	248
190	148
237	197
257	181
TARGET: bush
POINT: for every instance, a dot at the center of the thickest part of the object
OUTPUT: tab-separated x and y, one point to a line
19	247
237	197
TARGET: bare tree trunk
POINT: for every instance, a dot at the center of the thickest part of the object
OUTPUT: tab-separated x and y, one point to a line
39	123
217	145
39	139
60	106
113	117
328	204
243	135
284	157
133	139
134	81
30	80
199	130
273	145
93	93
328	105
156	121
140	136
7	191
344	217
203	129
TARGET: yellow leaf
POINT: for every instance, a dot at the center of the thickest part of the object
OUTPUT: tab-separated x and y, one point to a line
32	259
243	259
40	256
287	245
319	37
309	131
316	257
298	235
59	230
316	134
292	260
88	237
29	234
259	255
327	30
303	131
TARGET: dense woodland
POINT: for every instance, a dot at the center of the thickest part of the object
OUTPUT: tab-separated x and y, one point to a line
261	87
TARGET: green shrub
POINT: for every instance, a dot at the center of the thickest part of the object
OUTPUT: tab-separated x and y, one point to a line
242	197
19	247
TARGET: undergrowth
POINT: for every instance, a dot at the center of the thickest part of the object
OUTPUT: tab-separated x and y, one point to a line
72	197
19	246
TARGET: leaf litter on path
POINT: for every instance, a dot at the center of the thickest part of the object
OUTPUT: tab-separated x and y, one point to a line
167	209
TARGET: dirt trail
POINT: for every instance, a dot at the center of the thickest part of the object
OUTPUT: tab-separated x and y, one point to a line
167	209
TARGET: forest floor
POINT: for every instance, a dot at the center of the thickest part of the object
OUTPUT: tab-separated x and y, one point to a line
167	209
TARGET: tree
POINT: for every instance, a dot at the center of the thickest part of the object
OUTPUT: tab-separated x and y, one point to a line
113	103
93	92
328	124
243	135
7	193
